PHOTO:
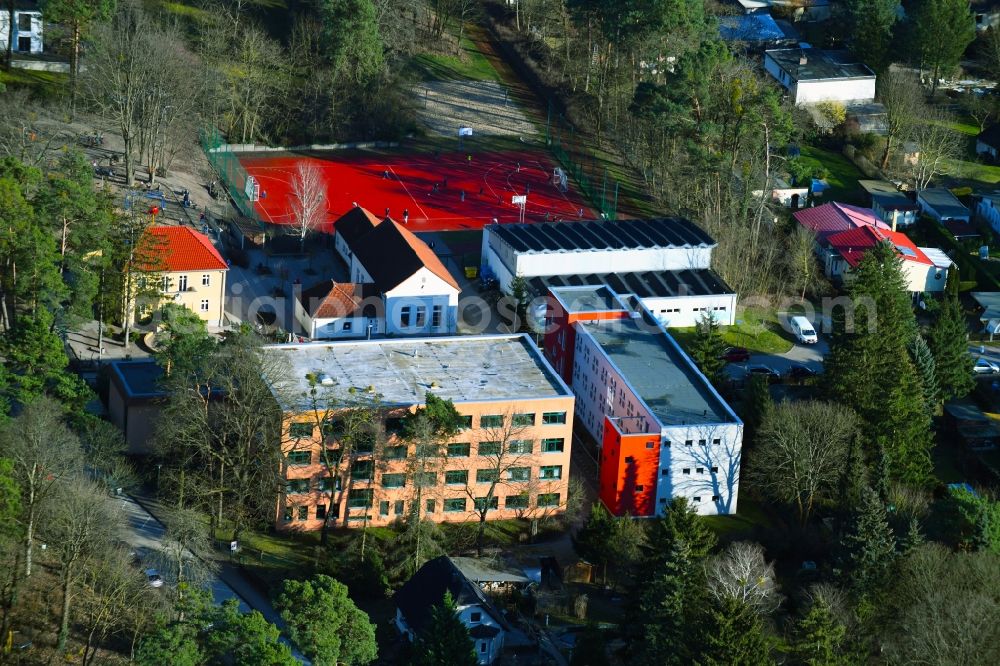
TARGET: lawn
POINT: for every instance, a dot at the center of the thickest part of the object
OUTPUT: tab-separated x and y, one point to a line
30	77
842	175
749	515
756	330
469	65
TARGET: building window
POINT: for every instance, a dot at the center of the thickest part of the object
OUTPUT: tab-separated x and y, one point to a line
466	422
523	420
481	503
700	470
287	515
689	442
206	280
475	617
383	508
715	470
516	502
550	472
429	506
548	499
639	489
629	460
522	446
300	430
702	442
519	473
489	448
421	316
204	305
696	499
359	498
331	455
456	477
425	479
347	326
400	507
296	486
404	316
686	470
459	450
394	425
23	22
491	421
320	511
716	441
486	475
298	458
428	451
393	480
453	505
436	316
303	513
165	283
553	445
715	498
482	646
664	472
182	283
326	484
395	452
362	470
554	418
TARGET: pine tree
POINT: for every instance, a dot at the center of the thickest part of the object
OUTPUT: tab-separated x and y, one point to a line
913	537
708	347
445	640
904	430
923	359
870	547
733	635
818	637
757	405
669	604
949	343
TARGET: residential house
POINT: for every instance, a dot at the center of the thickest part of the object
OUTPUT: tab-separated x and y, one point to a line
893	207
426	589
989	303
842	252
988	142
192	272
988	209
501	385
757	29
662	430
974	429
834	217
940	204
986	13
665	262
28	27
330	310
418	295
796	10
813	75
135	399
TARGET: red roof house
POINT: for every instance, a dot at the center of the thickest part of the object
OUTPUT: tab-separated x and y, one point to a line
835	217
184	249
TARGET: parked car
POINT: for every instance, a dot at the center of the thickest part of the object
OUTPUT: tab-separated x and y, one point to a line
800	372
803	330
986	367
763	371
153	578
736	355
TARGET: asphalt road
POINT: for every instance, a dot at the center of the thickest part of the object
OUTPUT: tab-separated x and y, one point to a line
810	356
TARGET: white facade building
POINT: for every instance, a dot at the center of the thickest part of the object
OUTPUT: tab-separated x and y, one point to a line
664	262
28	27
812	75
940	204
988	209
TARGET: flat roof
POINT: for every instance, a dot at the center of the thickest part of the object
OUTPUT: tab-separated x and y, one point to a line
644	284
943	201
470	368
819	64
590	298
659	372
657	232
139	378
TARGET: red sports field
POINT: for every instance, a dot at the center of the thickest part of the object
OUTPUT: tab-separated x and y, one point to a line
469	193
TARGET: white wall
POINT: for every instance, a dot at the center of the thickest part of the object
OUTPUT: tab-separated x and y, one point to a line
493	646
716	451
35	33
779	74
927	209
341	246
988	211
844	90
921	277
422	289
690	309
985	149
613	261
904	218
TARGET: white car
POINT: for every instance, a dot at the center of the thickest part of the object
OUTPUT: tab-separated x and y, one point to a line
153	578
986	367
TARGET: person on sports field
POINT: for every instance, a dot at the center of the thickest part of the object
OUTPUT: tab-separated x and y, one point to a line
406	215
385	174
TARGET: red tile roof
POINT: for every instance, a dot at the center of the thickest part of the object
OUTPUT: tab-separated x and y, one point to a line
184	249
835	217
853	243
333	300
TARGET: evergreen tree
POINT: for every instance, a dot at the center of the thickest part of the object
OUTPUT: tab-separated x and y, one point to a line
670	602
923	359
445	640
708	347
590	649
869	370
942	29
733	635
817	638
756	405
678	522
870	547
913	537
949	343
869	30
324	622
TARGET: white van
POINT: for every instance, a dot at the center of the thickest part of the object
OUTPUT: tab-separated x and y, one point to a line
803	330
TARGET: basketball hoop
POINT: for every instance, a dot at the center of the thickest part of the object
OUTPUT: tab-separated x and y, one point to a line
521	201
252	189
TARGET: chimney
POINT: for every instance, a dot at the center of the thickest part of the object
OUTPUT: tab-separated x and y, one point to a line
803	60
895	216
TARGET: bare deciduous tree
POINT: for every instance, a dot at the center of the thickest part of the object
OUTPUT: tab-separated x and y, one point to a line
801	452
307	201
742	573
903	98
938	147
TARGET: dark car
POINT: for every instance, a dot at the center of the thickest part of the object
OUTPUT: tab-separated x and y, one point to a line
736	355
800	372
763	371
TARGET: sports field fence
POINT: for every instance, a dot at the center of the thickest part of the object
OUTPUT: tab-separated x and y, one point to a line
232	175
575	156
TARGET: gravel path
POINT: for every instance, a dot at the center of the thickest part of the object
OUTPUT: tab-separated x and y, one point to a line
485	106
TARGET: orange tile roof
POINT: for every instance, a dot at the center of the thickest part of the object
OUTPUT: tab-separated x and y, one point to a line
333	300
184	249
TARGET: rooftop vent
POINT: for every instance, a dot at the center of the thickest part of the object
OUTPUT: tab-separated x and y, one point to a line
325	379
803	60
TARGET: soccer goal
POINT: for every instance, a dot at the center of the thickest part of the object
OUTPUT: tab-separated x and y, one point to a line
252	189
559	179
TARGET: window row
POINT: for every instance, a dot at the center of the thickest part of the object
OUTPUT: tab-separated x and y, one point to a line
416	316
182	282
394	425
453	450
364	499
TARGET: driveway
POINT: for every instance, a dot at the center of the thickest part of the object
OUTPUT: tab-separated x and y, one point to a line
810	356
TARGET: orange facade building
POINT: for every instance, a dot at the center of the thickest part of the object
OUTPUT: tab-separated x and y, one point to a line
518	430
